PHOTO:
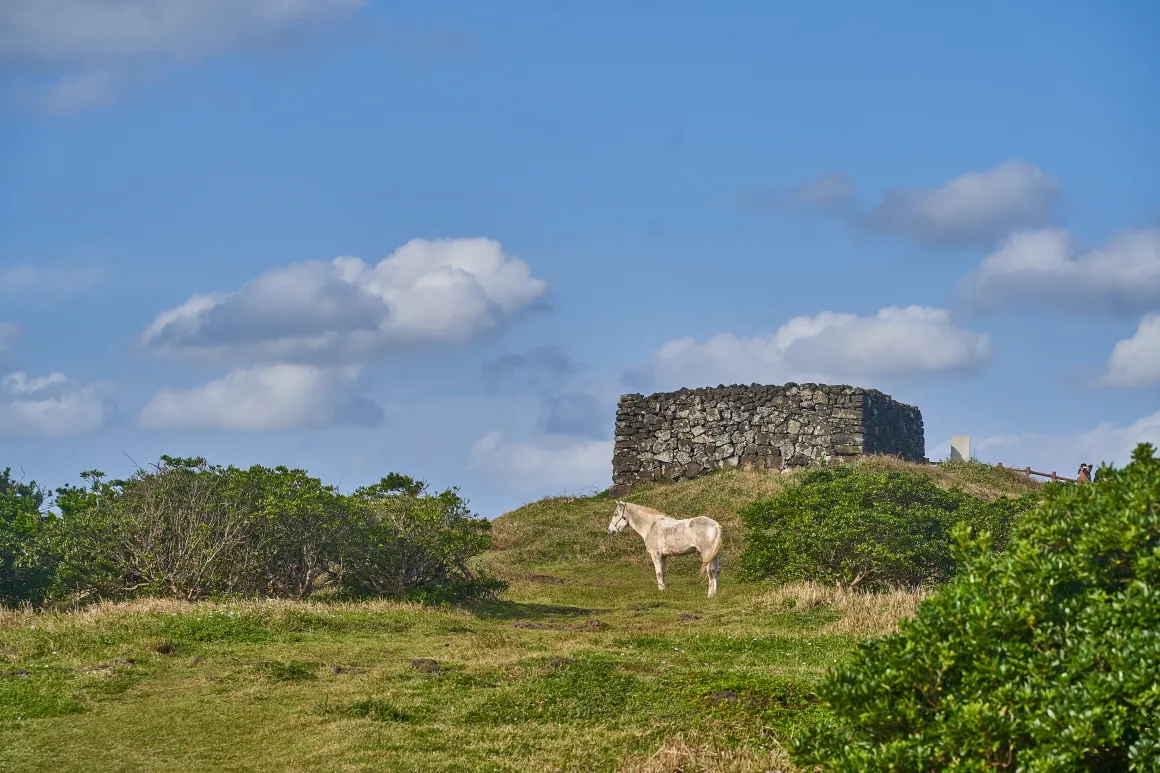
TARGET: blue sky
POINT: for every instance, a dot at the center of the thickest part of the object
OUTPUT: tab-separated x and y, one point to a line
537	207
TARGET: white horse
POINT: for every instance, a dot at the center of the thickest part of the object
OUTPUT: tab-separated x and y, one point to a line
665	536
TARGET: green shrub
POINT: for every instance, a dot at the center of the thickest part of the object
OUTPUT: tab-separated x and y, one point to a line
865	529
177	530
187	529
415	544
24	572
1041	658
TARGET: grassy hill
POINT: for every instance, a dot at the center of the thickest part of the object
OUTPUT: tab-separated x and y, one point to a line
569	532
582	665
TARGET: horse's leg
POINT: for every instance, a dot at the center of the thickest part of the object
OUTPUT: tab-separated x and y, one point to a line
714	568
659	564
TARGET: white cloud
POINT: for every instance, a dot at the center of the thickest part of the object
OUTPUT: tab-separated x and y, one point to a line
546	465
827	347
95	45
1135	361
267	397
445	291
1064	452
10	333
976	208
52	405
1044	267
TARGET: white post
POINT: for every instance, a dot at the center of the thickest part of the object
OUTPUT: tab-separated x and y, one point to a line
960	448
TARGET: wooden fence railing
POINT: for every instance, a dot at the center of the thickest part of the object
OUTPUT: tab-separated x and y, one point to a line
1029	472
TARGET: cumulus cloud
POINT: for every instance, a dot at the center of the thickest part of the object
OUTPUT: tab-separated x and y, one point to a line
1064	452
92	46
1135	361
267	397
544	465
827	347
52	405
977	208
1045	268
445	291
10	333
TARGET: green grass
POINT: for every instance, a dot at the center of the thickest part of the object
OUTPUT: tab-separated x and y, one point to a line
582	665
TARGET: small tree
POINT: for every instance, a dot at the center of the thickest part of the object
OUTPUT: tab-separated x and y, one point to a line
416	542
23	569
1040	658
177	530
301	530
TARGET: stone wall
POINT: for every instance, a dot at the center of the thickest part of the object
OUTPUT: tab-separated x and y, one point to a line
679	435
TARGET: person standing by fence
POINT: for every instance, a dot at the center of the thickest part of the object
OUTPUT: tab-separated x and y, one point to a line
1084	474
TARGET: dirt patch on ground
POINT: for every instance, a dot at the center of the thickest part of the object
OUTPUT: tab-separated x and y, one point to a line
587	625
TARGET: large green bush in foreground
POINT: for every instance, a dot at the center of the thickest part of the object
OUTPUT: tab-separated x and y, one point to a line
865	529
1045	657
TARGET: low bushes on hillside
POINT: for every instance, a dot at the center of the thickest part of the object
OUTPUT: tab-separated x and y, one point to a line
865	529
22	571
187	529
414	543
1040	658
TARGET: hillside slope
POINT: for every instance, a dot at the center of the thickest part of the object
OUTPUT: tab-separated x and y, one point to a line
570	532
581	665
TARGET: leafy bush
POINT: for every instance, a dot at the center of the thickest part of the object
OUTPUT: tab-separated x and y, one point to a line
23	572
1040	658
176	531
191	530
416	544
865	529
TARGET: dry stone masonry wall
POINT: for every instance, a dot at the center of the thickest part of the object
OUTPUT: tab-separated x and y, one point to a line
680	435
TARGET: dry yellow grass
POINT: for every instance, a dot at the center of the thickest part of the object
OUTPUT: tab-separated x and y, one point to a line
680	755
862	614
98	614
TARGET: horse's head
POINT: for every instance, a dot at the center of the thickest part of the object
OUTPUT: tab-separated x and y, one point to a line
619	518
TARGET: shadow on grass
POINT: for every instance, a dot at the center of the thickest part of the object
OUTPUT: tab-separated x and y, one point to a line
514	610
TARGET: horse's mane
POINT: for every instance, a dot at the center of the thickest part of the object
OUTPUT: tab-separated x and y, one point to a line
649	510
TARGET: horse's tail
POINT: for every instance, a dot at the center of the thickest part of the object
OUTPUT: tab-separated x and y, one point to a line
711	554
